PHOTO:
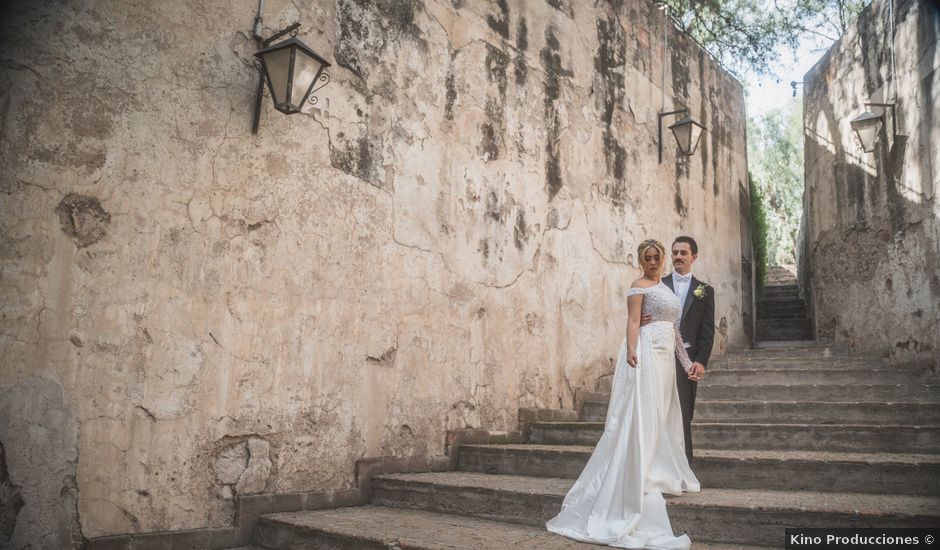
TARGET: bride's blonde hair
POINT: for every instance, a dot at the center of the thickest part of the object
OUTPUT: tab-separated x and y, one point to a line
651	243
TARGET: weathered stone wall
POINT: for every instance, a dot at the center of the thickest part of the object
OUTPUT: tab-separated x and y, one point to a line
870	239
191	312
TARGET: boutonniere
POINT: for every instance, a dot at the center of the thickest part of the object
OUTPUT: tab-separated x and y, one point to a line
699	292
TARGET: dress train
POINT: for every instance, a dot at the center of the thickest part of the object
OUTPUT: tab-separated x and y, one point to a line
618	499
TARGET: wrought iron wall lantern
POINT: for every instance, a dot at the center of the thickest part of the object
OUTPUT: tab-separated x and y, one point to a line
867	126
687	132
292	70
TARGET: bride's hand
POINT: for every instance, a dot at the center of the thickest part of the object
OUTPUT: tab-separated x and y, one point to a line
631	358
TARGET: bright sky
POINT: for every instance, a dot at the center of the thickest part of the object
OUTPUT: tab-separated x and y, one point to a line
771	92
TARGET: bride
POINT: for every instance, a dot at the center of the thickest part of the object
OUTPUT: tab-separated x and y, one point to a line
618	499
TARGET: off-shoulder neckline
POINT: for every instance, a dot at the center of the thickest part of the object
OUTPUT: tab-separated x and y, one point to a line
639	288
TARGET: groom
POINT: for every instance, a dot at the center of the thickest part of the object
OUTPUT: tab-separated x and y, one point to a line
696	324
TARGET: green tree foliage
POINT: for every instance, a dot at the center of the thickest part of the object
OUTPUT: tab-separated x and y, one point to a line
758	233
775	153
749	34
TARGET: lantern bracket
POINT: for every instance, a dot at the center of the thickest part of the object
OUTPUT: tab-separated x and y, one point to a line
292	30
661	115
794	84
324	80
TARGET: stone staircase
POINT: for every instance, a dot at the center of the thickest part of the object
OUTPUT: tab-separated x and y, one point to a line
781	312
781	315
783	438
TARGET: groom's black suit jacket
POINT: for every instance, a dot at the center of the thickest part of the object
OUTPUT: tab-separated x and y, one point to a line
698	320
698	329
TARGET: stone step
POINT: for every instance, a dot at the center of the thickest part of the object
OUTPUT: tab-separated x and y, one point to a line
800	351
720	515
781	302
874	473
727	435
831	437
793	311
765	336
900	393
782	324
798	376
774	301
781	287
769	316
782	298
798	412
780	305
801	330
781	272
818	412
384	528
784	362
908	393
808	343
795	376
784	329
765	308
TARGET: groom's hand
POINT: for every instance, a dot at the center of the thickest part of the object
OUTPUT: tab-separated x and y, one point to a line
697	372
645	319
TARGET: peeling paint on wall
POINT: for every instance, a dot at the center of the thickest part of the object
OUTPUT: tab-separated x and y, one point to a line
551	64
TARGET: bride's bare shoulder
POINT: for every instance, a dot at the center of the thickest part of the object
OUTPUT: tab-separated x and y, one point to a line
642	283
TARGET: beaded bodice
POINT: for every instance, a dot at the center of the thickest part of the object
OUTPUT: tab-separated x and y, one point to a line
658	302
662	305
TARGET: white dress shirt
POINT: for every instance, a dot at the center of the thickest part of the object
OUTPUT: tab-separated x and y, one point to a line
681	284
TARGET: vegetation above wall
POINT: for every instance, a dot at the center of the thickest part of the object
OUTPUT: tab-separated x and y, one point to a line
749	34
775	153
758	233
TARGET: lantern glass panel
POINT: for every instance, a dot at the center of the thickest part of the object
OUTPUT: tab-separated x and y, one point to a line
683	133
695	135
277	64
306	69
867	129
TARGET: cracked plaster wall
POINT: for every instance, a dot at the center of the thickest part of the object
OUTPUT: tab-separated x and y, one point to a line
870	239
446	237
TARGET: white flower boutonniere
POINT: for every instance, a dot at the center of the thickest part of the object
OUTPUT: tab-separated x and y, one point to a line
699	292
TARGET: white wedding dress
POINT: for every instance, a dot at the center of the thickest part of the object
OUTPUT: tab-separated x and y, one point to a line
618	498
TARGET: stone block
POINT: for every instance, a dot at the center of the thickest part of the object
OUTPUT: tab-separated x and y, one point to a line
152	541
118	542
226	537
